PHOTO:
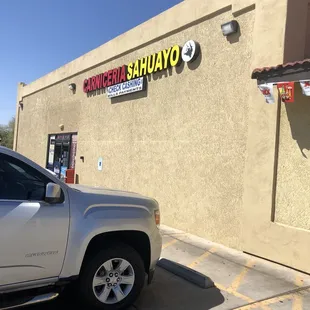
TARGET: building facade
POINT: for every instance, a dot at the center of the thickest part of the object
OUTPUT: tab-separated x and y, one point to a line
194	133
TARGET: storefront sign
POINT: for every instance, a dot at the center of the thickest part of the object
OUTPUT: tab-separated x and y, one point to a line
267	91
305	86
63	137
134	71
126	87
190	51
286	91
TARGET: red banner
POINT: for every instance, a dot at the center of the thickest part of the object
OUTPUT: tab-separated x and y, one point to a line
286	91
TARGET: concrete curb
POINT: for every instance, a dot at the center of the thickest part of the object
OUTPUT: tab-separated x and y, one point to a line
186	273
238	257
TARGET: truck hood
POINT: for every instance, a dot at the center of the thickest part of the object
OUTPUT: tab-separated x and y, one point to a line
105	191
87	197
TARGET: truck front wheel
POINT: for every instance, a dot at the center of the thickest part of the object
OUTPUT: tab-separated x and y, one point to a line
113	279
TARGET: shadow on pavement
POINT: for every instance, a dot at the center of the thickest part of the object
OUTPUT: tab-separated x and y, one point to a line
169	291
59	303
166	292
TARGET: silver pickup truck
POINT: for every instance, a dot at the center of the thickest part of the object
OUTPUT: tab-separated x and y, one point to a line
102	242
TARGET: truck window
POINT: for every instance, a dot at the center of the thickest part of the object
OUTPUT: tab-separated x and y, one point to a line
19	181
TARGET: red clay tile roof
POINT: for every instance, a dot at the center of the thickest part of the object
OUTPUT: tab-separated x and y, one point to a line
273	69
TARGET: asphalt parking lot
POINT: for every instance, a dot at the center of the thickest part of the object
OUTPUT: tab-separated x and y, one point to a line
240	281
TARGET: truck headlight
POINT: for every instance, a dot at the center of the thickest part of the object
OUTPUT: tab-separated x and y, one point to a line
157	217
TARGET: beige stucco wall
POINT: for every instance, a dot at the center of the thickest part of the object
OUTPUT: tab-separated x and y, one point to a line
264	179
183	142
293	186
201	140
293	168
42	114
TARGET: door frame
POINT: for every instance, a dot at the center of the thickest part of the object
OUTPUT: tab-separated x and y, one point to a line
48	145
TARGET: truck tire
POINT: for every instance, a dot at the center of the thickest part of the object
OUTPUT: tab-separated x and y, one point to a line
113	279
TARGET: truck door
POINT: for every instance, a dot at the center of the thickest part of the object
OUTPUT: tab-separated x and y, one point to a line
33	233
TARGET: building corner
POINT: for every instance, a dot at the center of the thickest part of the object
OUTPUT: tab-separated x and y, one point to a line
19	106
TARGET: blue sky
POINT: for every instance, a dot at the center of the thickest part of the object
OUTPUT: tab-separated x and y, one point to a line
39	36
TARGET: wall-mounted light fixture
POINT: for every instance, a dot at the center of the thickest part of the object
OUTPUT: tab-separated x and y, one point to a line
230	28
21	105
72	87
61	127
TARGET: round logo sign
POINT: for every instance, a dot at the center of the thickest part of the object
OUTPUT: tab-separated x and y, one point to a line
190	51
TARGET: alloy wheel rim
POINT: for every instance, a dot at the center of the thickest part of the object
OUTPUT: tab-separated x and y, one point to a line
113	281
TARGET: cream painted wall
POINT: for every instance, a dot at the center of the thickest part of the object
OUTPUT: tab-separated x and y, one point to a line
292	198
42	114
293	185
201	140
183	142
260	234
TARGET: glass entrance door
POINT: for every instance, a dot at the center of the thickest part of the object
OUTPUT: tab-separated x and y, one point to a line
57	158
64	163
61	153
61	158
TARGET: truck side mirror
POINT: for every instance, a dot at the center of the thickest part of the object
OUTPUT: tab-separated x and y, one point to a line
53	193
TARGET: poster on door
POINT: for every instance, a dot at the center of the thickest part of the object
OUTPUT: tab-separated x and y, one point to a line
73	151
63	172
51	151
57	167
